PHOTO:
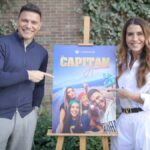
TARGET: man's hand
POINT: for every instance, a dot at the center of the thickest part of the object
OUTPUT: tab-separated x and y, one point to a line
36	75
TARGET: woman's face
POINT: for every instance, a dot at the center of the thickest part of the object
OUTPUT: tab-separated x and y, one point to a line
74	110
135	38
71	93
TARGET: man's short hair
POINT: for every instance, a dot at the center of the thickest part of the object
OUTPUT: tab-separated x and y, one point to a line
91	92
30	7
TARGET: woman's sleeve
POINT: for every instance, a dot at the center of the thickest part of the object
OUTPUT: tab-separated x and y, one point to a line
145	94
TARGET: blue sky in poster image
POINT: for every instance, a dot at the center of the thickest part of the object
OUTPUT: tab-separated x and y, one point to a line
64	76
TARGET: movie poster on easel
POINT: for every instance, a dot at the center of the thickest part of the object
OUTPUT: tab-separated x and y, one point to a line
81	100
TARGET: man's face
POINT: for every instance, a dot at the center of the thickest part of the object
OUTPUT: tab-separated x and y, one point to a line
98	100
29	23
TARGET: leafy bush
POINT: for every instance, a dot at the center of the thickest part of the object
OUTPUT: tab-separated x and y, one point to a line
8	28
94	143
108	17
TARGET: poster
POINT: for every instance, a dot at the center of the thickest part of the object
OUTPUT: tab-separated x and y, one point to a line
81	100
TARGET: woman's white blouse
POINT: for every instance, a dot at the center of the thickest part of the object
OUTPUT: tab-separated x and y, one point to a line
128	81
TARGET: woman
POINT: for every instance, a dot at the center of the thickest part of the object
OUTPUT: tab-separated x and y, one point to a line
72	123
134	87
69	94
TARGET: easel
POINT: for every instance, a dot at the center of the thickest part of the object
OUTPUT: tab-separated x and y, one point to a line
82	137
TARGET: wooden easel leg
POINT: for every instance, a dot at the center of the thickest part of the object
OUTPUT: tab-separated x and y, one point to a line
60	142
105	143
82	142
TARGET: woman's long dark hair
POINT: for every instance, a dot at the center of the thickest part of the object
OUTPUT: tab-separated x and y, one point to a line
144	66
66	97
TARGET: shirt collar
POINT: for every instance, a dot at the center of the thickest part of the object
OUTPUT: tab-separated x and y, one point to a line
136	63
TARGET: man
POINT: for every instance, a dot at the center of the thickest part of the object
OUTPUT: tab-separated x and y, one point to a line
23	64
106	107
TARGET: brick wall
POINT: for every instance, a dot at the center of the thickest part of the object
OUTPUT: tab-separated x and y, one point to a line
61	25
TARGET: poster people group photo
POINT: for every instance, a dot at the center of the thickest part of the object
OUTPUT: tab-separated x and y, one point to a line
81	100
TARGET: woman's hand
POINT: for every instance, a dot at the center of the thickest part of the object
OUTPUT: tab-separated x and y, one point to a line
122	93
126	94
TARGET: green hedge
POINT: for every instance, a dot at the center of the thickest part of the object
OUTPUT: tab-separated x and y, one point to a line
109	16
7	6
